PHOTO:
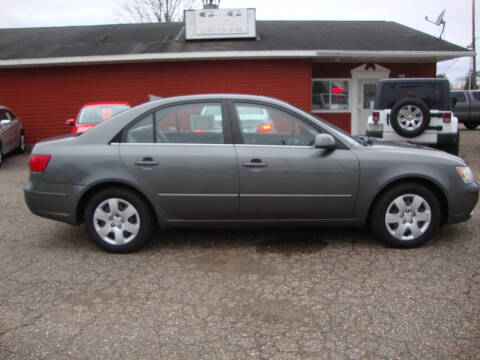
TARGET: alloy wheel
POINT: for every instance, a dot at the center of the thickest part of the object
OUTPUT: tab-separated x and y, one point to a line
410	117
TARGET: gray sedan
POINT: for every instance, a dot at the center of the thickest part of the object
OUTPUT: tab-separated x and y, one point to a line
167	163
12	135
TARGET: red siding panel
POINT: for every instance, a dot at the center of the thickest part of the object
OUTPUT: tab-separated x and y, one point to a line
341	120
45	97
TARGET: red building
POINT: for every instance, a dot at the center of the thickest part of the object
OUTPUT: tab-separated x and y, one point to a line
327	67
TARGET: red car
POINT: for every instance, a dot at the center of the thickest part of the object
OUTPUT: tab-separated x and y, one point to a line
93	113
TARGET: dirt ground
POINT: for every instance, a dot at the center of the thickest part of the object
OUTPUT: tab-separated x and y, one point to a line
241	294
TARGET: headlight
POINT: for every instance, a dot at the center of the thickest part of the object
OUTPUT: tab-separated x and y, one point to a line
466	174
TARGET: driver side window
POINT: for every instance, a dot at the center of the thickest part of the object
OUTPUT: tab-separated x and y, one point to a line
265	125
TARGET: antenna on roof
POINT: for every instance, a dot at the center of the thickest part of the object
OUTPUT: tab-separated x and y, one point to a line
440	21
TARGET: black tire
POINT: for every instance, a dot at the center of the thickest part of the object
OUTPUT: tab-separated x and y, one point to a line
410	127
1	155
410	224
453	148
116	228
21	143
470	125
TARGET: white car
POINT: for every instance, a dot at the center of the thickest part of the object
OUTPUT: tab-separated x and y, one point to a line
12	135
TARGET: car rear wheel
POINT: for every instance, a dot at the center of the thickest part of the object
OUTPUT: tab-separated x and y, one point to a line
1	155
406	215
21	143
410	117
118	220
471	126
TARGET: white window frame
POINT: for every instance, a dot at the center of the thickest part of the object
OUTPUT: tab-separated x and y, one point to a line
343	111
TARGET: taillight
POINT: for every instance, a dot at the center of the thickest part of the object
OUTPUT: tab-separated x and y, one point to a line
38	163
447	117
375	116
268	127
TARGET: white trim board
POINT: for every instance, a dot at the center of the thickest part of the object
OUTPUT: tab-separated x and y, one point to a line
336	55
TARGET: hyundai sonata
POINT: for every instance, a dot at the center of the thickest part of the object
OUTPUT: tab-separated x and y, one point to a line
168	163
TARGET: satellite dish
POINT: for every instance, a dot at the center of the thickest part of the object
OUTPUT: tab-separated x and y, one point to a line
440	18
440	21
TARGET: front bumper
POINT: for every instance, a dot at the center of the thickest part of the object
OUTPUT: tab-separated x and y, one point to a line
462	203
52	201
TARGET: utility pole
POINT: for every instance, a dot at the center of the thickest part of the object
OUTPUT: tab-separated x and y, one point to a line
474	62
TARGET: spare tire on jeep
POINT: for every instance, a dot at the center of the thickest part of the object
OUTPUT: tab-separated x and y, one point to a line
410	117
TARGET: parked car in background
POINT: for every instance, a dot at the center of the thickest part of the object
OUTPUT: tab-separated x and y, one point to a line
93	113
417	111
466	107
147	166
12	135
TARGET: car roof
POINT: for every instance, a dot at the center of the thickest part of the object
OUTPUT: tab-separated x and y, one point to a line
220	96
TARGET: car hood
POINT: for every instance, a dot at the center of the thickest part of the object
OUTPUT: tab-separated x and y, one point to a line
409	149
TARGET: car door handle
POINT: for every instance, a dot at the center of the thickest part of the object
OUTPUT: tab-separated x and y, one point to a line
254	163
146	161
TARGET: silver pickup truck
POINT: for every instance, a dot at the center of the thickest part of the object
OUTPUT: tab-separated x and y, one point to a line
466	107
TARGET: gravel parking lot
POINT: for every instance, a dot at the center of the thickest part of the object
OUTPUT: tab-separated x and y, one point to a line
242	294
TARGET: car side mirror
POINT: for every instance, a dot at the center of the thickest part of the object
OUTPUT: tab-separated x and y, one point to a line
5	122
70	122
325	141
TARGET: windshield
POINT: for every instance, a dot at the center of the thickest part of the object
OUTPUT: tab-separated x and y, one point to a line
342	134
97	113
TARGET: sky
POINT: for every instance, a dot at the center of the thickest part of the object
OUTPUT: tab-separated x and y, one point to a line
33	13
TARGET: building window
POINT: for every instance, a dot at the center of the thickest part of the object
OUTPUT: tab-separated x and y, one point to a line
330	95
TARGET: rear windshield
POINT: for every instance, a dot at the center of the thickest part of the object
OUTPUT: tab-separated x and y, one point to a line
430	93
96	114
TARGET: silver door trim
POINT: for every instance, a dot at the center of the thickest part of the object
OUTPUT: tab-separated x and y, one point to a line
298	195
195	195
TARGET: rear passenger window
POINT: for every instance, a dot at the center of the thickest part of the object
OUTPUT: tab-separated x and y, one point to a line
141	131
265	125
197	123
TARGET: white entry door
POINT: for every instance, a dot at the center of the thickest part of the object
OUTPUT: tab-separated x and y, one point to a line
368	88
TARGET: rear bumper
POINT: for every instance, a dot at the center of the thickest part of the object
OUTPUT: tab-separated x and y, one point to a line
375	134
462	203
52	201
445	139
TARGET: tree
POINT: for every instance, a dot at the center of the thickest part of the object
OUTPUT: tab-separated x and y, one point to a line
156	10
470	81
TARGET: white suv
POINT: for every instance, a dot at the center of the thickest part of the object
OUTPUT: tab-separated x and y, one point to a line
417	111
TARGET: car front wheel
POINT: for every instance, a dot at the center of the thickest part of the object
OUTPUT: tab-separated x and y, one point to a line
406	215
118	220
